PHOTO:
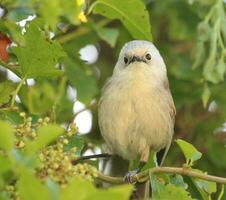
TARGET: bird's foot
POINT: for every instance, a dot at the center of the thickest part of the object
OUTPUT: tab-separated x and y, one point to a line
129	177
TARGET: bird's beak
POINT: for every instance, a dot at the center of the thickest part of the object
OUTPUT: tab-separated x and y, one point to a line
137	59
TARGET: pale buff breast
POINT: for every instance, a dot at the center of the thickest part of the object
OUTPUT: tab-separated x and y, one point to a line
134	113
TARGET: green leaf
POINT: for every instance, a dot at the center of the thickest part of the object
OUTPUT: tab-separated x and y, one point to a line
5	164
6	89
77	188
190	152
84	190
171	191
50	11
84	83
76	141
122	192
30	187
206	186
6	135
132	14
205	95
45	135
39	57
109	35
38	99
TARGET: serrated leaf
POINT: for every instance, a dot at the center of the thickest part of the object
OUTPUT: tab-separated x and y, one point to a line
50	11
109	35
205	95
30	187
39	57
84	83
45	135
190	152
6	135
6	89
132	14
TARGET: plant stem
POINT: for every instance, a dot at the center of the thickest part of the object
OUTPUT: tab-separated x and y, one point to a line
17	90
144	176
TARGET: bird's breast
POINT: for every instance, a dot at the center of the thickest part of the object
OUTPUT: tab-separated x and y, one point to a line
133	114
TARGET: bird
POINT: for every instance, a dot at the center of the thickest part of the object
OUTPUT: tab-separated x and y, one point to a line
136	111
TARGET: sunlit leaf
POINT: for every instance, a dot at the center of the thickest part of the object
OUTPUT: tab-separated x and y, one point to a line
30	187
39	57
6	135
190	152
132	14
45	135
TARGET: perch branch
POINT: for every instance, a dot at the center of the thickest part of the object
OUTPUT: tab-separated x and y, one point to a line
143	176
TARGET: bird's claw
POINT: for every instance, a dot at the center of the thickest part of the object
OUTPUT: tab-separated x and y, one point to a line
129	177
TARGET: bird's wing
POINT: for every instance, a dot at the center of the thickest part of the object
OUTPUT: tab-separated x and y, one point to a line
172	112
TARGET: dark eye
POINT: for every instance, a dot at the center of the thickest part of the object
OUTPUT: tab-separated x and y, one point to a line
148	56
126	60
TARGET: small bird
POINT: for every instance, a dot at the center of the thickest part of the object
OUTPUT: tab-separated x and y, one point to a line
136	110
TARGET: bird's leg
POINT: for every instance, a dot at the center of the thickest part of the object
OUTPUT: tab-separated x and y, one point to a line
143	161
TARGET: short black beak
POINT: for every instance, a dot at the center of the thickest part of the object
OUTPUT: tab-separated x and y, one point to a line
136	58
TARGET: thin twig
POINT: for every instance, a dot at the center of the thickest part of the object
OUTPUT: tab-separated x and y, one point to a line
102	155
144	176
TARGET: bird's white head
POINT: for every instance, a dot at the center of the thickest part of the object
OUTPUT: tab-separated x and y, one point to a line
140	53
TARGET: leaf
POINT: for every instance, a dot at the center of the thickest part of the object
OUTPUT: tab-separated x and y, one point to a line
205	95
5	164
171	191
190	152
77	188
30	187
6	135
50	11
206	186
109	35
38	99
39	57
45	135
76	141
132	14
122	192
84	190
6	89
84	83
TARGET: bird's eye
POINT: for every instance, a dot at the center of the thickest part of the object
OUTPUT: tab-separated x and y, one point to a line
148	56
126	60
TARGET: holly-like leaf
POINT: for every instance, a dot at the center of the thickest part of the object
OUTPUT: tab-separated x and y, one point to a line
132	14
39	56
190	152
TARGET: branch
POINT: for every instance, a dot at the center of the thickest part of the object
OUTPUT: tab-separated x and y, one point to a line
144	176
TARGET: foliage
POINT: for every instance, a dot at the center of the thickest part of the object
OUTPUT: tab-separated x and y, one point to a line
38	139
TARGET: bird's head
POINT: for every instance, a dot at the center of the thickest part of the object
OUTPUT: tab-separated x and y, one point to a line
140	53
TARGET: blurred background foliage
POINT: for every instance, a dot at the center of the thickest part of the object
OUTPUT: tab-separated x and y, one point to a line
41	42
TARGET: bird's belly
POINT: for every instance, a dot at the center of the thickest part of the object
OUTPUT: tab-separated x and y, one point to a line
132	118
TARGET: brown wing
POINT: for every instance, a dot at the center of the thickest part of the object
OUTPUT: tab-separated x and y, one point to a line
170	99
